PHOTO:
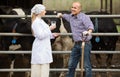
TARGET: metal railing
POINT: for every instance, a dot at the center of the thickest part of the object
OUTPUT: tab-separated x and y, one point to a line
93	16
63	34
59	52
58	70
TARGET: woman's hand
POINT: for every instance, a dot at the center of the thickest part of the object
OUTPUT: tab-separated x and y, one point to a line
56	34
52	27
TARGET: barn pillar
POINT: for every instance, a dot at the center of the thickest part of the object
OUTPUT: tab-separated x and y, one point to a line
104	6
110	6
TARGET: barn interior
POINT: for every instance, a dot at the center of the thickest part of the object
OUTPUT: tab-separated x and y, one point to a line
109	6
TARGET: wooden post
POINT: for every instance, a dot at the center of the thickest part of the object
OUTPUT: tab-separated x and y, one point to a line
82	58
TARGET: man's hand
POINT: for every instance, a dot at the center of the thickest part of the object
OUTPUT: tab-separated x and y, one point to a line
86	33
59	15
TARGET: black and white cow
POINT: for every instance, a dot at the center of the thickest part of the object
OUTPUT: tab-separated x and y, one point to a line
15	25
18	25
101	43
104	43
61	43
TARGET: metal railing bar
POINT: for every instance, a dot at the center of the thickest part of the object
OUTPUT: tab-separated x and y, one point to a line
63	34
15	34
14	16
24	16
105	34
58	70
105	16
59	52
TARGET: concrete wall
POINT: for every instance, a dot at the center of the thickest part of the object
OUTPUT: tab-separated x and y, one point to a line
87	5
116	6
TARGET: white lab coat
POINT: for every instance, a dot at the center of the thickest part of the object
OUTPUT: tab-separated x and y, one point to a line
41	49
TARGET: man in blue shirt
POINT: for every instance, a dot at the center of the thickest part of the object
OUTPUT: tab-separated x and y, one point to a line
81	27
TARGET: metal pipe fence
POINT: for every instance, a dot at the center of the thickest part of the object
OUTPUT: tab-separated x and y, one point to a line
92	16
62	34
58	70
59	52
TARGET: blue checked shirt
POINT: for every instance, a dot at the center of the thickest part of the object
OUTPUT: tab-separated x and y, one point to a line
78	24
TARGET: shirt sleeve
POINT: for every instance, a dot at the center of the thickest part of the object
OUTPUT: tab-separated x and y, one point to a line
87	22
66	17
39	31
52	37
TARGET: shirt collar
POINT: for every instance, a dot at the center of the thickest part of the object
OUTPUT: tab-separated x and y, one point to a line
76	16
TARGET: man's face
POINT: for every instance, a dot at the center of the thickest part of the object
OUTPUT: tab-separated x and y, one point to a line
75	9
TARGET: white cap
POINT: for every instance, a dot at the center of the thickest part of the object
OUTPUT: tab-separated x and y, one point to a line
38	8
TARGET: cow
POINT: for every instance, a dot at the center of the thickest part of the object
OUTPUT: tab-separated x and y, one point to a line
5	60
62	43
101	43
15	43
104	43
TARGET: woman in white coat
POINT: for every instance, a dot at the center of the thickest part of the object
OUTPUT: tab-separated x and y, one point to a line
41	49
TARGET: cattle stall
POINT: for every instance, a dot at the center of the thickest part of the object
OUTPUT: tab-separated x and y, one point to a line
111	6
65	52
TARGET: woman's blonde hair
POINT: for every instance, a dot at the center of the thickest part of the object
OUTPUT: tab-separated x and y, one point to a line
33	17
